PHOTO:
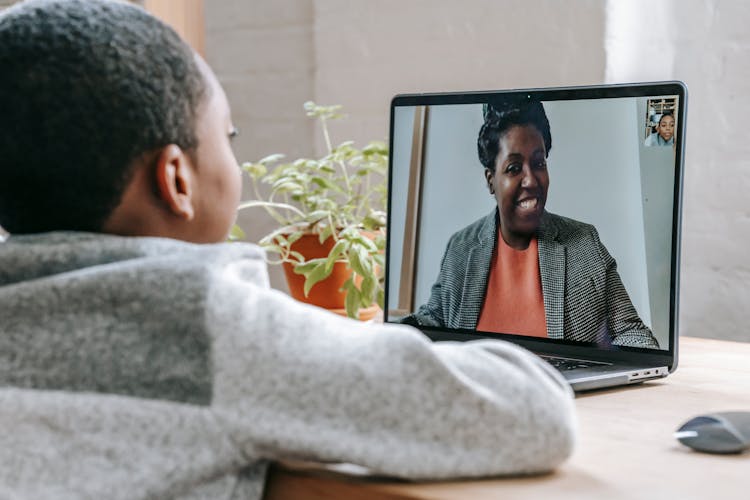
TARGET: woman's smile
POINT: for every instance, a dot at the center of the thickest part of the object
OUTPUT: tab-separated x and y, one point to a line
528	203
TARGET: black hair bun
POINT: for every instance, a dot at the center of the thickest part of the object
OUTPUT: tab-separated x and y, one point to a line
503	107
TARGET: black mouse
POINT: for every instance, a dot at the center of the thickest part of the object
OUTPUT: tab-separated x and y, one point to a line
725	432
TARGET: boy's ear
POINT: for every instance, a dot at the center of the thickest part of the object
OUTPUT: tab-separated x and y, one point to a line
175	181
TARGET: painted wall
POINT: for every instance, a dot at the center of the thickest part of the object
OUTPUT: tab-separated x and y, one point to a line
706	44
264	56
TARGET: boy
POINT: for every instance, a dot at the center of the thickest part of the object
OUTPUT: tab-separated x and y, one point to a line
143	358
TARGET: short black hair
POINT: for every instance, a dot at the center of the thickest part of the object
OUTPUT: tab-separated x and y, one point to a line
86	88
666	113
504	113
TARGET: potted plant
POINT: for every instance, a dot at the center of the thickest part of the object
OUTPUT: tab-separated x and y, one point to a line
331	220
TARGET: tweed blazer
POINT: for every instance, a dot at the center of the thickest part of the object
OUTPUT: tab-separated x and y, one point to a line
584	298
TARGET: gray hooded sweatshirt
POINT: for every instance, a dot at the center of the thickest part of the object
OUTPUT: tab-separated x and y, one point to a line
147	368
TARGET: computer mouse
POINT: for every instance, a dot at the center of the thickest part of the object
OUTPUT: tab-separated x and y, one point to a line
725	432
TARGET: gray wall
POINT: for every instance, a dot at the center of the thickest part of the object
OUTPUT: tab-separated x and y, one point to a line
263	53
706	44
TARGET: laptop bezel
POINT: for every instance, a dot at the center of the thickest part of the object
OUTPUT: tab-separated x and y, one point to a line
562	348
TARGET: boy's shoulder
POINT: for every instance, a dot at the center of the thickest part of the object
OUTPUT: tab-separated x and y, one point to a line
101	313
42	255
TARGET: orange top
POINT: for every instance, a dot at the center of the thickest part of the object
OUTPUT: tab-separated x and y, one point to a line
514	302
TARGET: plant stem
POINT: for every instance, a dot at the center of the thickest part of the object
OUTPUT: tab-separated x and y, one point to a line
333	233
364	203
327	137
268	204
273	213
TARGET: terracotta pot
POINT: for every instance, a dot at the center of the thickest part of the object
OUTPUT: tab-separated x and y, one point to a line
326	293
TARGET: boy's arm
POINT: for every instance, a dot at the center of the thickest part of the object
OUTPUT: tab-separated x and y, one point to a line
292	381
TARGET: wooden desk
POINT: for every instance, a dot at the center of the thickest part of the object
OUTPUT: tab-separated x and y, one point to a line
625	446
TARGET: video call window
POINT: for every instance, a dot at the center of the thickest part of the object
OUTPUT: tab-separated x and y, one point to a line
542	219
661	121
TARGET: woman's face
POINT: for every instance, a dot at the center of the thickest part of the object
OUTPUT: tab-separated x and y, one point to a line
519	183
666	127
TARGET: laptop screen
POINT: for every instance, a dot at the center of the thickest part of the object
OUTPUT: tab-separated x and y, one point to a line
546	214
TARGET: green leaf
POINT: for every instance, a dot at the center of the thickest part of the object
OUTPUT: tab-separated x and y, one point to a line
278	172
311	164
294	237
352	301
318	273
317	215
307	267
371	223
270	237
274	239
325	233
365	260
368	291
271	159
255	170
273	248
380	241
375	147
366	242
338	249
326	184
381	297
285	185
358	260
236	233
347	285
349	232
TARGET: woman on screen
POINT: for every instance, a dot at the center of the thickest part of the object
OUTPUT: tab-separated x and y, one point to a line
522	270
664	134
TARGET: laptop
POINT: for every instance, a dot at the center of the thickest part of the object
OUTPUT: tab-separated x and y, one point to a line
549	218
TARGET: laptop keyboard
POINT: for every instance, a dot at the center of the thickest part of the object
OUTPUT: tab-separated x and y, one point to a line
565	364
